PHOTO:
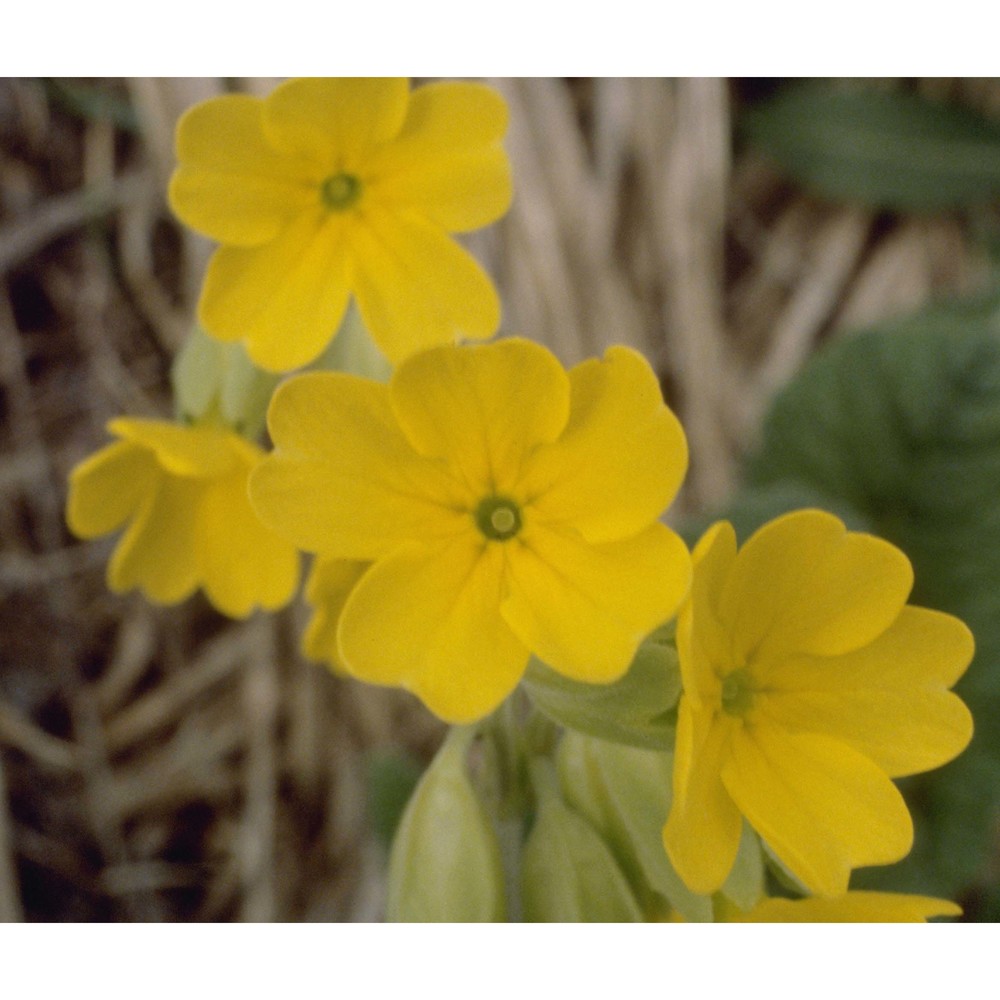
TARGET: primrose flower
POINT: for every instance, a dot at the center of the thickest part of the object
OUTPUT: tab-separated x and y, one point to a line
505	506
851	908
334	187
808	684
183	492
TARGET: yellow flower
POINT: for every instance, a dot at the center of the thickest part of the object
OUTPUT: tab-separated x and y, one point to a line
334	187
808	683
506	507
329	585
183	491
850	908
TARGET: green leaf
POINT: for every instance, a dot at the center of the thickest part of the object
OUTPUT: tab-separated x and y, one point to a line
887	149
902	425
640	709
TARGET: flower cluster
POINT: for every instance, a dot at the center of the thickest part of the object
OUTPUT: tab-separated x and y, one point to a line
487	506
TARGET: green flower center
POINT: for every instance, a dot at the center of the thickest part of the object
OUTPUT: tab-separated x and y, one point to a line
737	692
498	518
340	191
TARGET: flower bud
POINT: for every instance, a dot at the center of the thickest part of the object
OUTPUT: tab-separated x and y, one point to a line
445	860
625	792
568	874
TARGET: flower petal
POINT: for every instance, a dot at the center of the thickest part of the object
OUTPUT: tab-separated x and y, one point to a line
415	286
622	456
327	590
157	551
889	699
584	609
447	162
803	583
242	564
337	121
483	408
197	452
427	619
344	481
286	298
702	832
702	644
823	807
231	184
853	907
107	488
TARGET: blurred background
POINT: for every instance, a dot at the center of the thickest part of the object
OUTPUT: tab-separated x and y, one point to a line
168	764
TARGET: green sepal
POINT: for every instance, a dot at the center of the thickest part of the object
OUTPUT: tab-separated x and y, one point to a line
353	350
568	873
445	861
217	381
744	885
639	709
625	792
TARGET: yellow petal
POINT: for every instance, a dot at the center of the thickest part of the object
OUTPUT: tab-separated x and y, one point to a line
584	609
703	645
821	806
416	287
242	564
157	551
327	590
622	456
287	298
852	907
197	452
483	408
231	184
337	121
107	488
802	583
428	619
447	162
889	699
702	833
344	481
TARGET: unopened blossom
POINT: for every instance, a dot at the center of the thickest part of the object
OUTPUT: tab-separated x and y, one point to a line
809	683
506	507
332	188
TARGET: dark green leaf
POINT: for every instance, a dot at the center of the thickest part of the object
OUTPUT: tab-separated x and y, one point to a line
887	149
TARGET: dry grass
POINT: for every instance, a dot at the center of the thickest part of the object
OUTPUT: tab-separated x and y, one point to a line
167	764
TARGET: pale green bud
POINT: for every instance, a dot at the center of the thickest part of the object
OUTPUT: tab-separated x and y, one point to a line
625	792
639	709
568	874
217	381
445	860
